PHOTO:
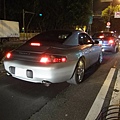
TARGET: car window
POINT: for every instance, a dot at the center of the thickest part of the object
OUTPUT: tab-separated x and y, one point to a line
52	37
98	35
109	34
102	35
81	39
84	39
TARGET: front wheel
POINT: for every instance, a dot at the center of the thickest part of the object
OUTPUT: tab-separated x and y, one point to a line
79	73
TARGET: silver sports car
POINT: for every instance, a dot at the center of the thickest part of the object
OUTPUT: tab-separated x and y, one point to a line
54	56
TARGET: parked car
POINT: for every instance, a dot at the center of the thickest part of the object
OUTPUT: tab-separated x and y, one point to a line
108	40
53	57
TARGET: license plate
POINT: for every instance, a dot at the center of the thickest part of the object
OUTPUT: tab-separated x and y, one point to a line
20	72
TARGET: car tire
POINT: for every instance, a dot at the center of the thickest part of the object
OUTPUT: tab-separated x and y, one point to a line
100	59
116	49
78	73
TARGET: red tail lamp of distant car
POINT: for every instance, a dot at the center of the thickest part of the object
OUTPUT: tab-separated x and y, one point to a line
52	59
111	41
8	55
35	44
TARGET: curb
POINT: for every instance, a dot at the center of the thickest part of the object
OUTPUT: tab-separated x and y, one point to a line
2	70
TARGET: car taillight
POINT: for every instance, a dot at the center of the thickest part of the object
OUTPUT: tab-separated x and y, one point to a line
52	59
111	41
45	59
35	44
8	55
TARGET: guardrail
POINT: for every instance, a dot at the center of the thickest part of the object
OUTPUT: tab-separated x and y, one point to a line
26	36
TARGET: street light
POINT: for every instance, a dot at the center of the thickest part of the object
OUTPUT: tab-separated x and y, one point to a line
116	2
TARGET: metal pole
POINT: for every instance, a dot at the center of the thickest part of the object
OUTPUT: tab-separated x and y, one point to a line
23	21
91	17
24	24
4	10
29	24
26	28
109	18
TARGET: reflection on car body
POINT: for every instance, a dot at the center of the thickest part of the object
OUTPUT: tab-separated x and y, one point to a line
53	57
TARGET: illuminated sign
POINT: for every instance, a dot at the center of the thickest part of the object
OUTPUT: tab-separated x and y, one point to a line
117	15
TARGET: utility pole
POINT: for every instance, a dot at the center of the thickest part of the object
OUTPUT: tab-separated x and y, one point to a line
109	17
26	12
90	19
4	10
24	28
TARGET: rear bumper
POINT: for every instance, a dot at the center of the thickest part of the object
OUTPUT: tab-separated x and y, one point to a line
35	73
108	48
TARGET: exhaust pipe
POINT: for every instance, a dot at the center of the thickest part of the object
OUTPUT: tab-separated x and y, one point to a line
8	74
46	83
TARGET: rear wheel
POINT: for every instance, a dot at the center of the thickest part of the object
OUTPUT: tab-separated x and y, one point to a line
116	49
100	59
79	73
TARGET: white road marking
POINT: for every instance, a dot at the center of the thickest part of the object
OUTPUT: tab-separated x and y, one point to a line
98	103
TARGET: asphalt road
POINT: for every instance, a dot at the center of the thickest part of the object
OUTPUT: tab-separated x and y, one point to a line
26	101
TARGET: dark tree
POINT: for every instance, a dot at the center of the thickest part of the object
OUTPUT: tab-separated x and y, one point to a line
56	14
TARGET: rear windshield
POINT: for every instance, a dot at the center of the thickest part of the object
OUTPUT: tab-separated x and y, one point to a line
98	35
51	37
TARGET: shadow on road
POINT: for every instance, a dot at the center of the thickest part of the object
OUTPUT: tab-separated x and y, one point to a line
31	89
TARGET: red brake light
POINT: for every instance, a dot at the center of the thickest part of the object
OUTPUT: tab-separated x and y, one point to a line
35	44
52	59
45	59
8	55
61	59
111	41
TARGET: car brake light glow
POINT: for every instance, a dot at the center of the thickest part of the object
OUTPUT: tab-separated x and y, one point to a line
62	59
8	55
52	59
44	59
111	41
35	44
